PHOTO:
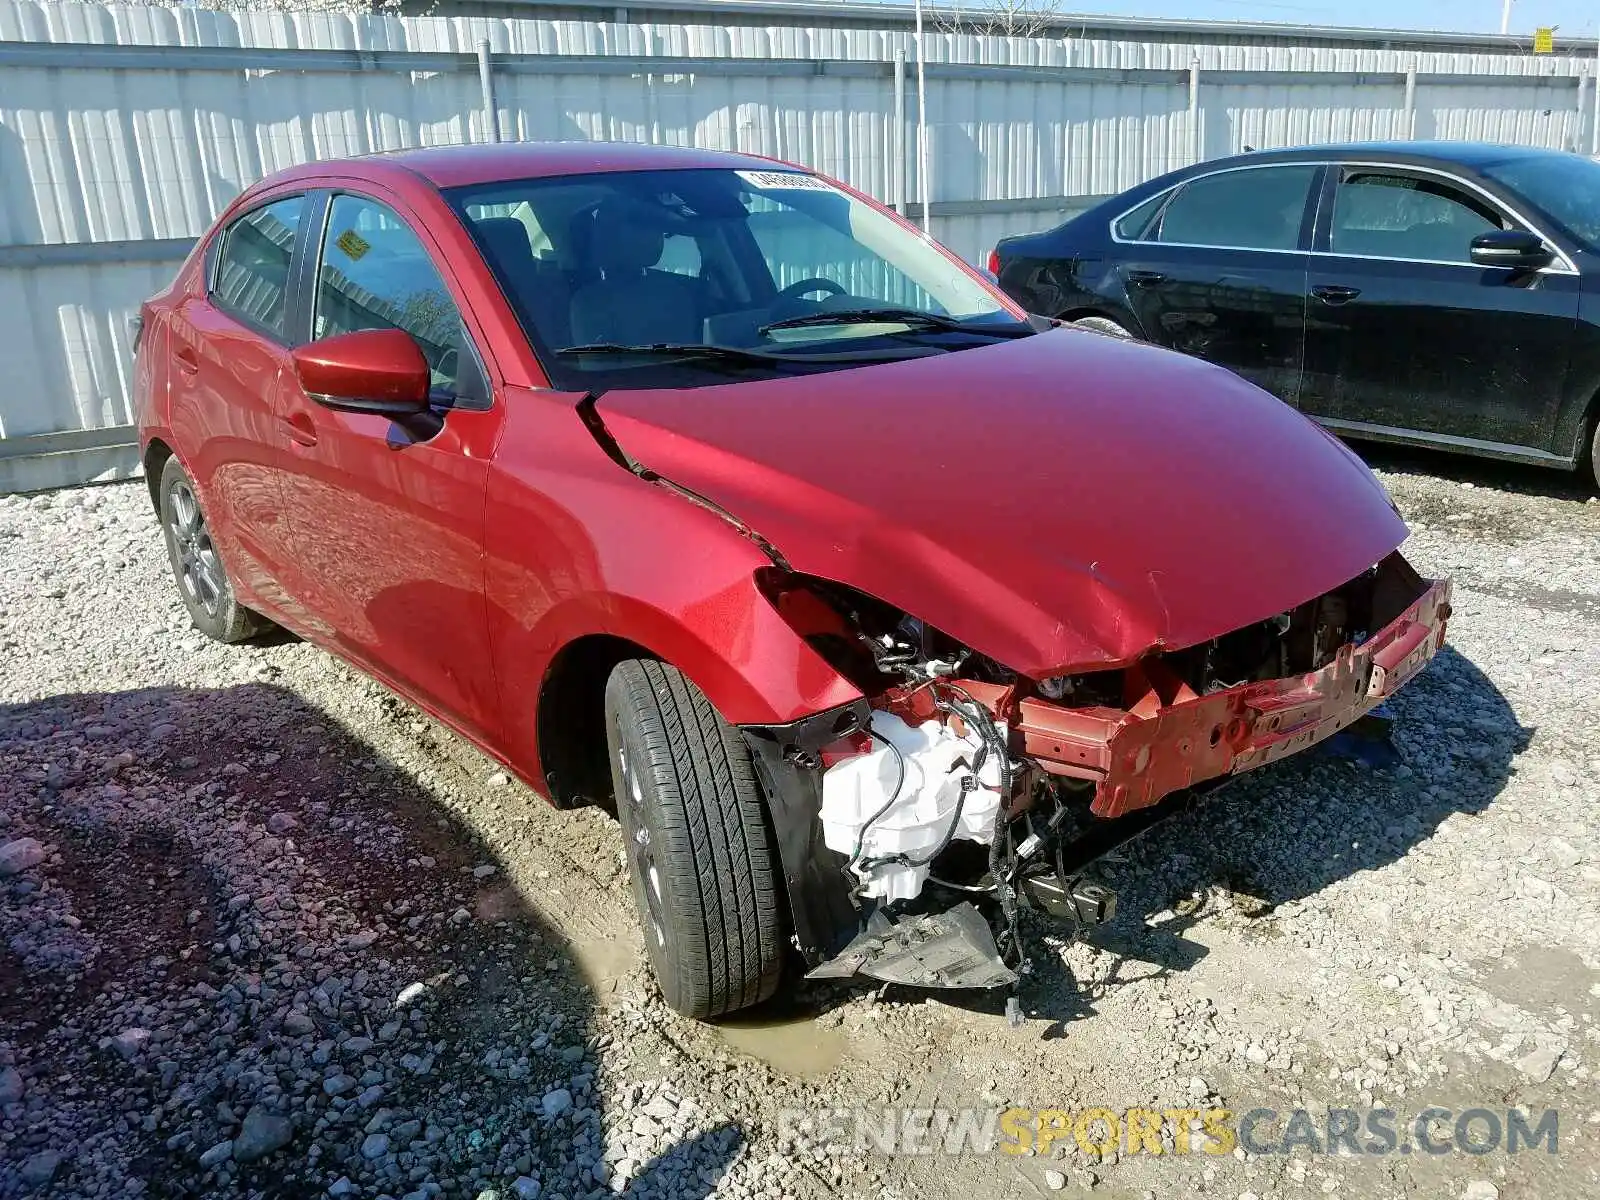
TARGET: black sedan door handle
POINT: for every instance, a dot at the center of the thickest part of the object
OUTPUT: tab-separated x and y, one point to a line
1146	279
1335	293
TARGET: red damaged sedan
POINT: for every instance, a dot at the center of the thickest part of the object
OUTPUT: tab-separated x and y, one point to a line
700	484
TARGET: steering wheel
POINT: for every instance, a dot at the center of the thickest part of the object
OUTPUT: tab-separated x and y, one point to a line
787	299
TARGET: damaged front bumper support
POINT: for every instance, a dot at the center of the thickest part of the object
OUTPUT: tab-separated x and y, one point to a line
1167	740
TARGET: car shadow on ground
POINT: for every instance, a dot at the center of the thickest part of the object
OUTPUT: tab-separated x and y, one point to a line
236	872
1284	833
1504	476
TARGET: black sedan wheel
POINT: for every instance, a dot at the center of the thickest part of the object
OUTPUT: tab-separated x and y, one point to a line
197	567
1104	325
704	868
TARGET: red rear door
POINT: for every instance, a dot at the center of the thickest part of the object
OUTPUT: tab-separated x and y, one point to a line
229	364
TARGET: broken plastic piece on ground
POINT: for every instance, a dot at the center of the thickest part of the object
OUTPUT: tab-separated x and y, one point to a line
951	949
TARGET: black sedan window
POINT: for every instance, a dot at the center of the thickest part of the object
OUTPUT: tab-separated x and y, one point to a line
1132	226
1259	208
1384	215
1567	186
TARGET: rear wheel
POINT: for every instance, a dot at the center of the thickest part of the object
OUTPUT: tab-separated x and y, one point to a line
701	854
1106	326
202	580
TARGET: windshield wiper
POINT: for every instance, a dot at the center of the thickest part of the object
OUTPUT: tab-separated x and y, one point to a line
674	349
898	316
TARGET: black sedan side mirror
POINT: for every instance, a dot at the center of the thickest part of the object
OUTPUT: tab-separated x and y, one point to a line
1515	248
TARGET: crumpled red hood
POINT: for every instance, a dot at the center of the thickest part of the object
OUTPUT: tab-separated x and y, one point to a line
1064	501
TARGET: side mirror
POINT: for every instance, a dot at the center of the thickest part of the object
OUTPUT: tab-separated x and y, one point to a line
369	371
1515	248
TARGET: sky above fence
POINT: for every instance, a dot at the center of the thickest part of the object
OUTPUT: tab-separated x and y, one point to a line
1573	19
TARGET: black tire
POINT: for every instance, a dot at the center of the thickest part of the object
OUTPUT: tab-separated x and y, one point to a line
1106	326
700	849
197	567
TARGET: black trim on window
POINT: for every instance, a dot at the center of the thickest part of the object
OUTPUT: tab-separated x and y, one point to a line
308	255
1327	196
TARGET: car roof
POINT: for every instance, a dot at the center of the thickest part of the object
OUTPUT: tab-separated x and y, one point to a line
1466	154
465	165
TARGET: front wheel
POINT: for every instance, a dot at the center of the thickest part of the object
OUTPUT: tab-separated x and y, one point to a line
700	850
1594	455
202	580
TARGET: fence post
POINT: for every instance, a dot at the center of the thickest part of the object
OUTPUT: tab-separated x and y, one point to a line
491	115
924	165
1581	118
1411	103
897	174
1196	140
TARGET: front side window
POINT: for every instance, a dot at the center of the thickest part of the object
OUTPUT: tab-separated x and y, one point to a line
685	277
1567	186
1387	215
1261	208
375	274
251	280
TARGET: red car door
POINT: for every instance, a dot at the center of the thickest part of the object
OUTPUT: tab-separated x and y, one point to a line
384	521
229	348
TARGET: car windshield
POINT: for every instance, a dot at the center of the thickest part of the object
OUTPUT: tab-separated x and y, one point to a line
1566	186
677	278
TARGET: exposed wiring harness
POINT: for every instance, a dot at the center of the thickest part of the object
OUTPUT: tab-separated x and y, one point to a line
856	867
990	742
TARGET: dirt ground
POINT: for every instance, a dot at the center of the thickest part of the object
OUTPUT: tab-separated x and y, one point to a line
262	876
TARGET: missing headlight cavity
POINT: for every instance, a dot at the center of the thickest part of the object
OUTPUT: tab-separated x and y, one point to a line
958	780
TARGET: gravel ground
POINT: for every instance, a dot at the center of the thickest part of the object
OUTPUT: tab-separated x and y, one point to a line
267	931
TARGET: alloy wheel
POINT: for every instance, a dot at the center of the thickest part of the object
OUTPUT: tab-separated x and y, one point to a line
199	567
640	852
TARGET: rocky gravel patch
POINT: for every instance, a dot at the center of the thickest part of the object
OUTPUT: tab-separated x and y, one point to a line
267	931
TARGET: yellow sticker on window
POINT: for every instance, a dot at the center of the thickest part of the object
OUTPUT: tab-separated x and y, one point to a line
353	244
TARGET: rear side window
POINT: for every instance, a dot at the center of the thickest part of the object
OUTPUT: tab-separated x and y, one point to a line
1257	209
252	273
376	274
1382	215
1131	227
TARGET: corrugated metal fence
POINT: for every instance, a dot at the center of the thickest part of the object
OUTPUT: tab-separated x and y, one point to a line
125	129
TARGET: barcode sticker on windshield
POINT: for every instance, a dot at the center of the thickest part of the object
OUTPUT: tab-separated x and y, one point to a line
786	180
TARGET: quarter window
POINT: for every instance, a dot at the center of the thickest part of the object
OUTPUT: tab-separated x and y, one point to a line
252	273
375	274
1379	215
1261	208
1131	227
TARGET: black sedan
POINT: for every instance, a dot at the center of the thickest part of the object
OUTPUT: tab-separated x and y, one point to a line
1430	293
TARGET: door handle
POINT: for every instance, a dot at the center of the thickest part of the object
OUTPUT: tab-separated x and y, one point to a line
301	428
1335	293
188	360
1146	279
